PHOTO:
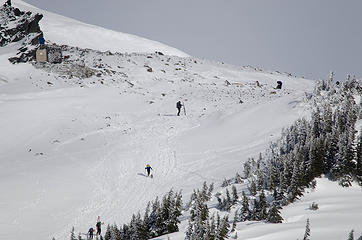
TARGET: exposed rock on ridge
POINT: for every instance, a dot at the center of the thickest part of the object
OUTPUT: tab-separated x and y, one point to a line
19	26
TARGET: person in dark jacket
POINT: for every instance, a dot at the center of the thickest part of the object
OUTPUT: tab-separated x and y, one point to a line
148	168
90	233
99	226
178	106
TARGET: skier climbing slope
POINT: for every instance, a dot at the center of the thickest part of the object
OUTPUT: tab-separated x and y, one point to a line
148	169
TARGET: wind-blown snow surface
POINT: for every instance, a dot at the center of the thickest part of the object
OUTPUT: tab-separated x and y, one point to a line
63	30
73	149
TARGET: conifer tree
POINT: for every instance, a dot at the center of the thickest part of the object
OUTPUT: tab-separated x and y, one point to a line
260	180
316	155
199	225
263	206
254	213
247	169
359	159
155	218
142	232
228	200
133	231
331	149
238	178
234	221
307	231
205	191
245	211
160	222
222	229
126	233
80	236
209	193
147	221
351	235
327	119
175	212
72	234
235	195
210	229
189	231
278	197
116	233
108	234
316	123
274	215
287	171
294	189
252	187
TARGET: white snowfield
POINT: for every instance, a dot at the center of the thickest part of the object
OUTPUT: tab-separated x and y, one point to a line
74	149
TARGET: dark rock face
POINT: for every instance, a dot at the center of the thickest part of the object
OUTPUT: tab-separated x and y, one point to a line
16	25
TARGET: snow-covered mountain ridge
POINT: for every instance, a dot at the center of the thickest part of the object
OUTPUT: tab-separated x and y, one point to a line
75	136
65	31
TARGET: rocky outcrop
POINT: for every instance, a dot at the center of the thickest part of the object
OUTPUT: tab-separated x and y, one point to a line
19	26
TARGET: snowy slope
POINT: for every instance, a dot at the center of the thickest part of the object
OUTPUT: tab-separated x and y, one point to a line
74	148
62	30
73	153
339	212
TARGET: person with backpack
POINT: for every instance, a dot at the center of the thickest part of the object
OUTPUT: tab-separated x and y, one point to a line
148	168
90	233
178	106
99	226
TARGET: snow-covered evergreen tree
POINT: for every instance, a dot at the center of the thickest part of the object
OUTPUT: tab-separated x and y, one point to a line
351	235
252	187
234	221
228	200
307	231
72	234
245	210
108	234
274	215
222	228
359	158
235	196
80	236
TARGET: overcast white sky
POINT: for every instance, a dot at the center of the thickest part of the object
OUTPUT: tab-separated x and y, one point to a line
308	38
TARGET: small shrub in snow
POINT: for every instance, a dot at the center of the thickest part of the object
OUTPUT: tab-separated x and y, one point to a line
314	206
